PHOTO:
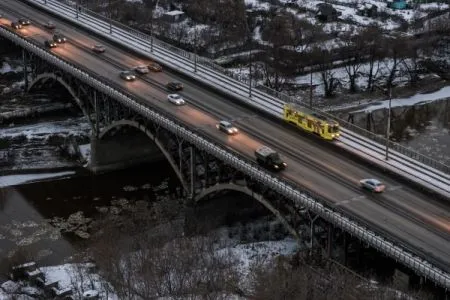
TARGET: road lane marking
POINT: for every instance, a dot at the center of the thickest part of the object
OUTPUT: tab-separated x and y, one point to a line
354	199
394	188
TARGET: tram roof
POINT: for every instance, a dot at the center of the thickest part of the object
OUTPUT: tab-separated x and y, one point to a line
308	111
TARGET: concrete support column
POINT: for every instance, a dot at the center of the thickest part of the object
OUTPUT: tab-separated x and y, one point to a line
345	237
25	69
330	240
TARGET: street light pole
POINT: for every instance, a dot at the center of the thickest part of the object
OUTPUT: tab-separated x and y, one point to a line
195	50
110	18
77	7
310	89
250	75
388	129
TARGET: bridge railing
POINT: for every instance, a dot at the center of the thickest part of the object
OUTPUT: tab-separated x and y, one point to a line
300	197
281	96
363	132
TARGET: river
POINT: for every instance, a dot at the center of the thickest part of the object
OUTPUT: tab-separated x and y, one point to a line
47	219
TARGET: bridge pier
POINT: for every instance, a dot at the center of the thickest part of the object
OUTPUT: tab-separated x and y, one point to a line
115	154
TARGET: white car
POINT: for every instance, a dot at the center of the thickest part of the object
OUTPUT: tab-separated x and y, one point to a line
227	127
373	185
176	99
98	48
141	69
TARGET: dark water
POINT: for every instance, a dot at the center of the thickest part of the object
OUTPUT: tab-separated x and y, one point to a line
424	128
41	219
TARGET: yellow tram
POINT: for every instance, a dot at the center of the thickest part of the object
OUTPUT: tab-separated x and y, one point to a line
310	121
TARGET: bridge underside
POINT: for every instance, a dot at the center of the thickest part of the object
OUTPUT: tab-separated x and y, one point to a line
126	148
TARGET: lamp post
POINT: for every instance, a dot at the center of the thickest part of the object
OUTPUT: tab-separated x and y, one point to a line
195	50
310	89
388	127
110	17
77	7
250	76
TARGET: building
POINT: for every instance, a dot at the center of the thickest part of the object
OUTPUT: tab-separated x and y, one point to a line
174	16
326	12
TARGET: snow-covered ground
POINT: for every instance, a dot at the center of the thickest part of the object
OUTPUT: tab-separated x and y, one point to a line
11	180
82	281
418	99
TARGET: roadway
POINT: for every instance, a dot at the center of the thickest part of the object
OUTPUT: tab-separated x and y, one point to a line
419	221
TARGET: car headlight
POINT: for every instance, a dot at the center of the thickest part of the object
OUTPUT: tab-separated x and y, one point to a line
276	167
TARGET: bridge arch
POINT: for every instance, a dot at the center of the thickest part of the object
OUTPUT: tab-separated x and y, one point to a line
61	81
153	138
245	190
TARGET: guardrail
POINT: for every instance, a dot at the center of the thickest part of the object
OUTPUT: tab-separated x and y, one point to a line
299	197
114	26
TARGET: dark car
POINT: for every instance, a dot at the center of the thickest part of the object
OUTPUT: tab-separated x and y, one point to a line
59	38
16	25
98	48
155	67
50	25
50	44
175	86
24	21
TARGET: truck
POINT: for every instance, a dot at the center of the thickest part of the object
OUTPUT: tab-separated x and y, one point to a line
269	158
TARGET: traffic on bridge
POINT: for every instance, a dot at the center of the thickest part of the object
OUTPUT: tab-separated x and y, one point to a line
415	219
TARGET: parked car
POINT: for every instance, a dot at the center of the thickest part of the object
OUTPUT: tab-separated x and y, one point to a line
98	48
155	67
50	25
24	21
50	44
16	25
141	69
176	99
373	185
127	75
59	38
175	86
227	127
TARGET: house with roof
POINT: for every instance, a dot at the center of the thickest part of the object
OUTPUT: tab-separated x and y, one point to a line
174	16
327	13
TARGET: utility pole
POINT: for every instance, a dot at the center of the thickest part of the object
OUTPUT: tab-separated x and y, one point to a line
77	8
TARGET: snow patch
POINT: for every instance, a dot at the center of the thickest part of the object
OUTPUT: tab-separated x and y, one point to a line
11	180
418	99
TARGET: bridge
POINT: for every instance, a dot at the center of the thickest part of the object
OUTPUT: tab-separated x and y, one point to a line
409	222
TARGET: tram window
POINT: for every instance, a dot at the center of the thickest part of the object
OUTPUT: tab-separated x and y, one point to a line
309	123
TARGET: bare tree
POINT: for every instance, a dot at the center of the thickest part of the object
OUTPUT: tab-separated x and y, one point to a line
158	263
323	58
372	36
395	53
411	63
279	59
354	48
